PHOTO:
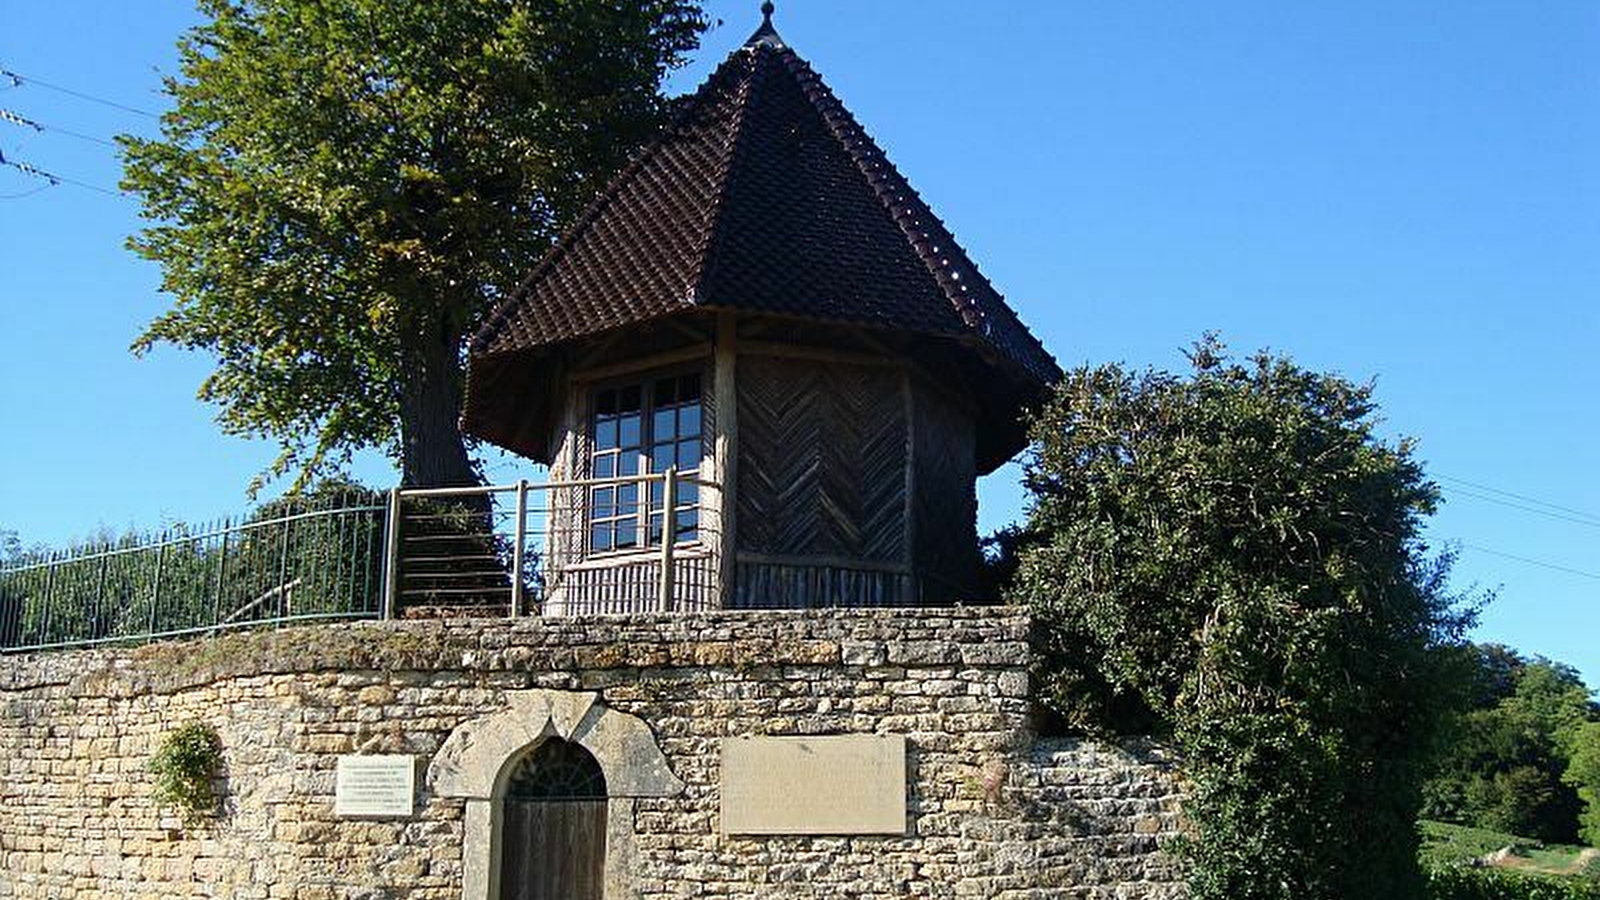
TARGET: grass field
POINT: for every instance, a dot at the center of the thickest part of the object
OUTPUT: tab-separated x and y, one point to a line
1450	845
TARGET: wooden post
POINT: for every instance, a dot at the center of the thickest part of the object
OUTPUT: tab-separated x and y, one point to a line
517	558
727	452
669	534
909	395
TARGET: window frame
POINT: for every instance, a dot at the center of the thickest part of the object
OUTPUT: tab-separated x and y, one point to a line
640	517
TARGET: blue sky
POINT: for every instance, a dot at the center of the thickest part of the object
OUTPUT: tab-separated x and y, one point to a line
1401	192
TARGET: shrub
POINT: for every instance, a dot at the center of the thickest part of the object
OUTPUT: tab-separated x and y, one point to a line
1460	883
185	767
1234	559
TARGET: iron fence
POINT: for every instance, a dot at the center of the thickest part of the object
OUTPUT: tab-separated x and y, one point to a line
293	560
593	546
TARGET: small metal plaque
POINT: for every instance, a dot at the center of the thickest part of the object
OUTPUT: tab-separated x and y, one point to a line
375	786
833	785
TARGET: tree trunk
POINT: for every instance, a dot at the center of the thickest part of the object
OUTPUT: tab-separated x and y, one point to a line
432	451
446	541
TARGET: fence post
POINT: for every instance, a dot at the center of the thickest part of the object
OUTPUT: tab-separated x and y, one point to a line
54	558
222	571
283	572
98	605
517	558
669	533
391	556
155	587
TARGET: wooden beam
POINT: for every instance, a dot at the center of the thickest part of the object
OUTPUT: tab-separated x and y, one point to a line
642	364
819	354
827	562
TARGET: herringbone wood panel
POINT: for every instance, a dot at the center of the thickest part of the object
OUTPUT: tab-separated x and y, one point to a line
946	507
821	459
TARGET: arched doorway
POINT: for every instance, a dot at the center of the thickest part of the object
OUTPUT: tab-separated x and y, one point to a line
553	825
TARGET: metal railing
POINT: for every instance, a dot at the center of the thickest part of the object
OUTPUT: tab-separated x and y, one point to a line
295	560
562	547
513	549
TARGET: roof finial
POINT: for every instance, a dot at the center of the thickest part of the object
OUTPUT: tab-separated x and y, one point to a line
766	34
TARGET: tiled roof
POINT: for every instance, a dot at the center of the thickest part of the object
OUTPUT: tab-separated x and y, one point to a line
765	195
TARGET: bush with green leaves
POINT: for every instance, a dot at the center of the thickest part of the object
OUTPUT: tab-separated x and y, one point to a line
185	767
1232	560
1462	883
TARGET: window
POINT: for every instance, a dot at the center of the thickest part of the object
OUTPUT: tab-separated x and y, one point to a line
644	429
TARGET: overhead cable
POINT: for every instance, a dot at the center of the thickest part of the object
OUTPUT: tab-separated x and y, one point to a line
19	80
1590	516
1534	562
54	179
14	118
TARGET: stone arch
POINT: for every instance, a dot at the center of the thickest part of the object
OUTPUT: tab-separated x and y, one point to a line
478	757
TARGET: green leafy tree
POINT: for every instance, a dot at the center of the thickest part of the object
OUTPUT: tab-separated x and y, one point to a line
1504	764
1583	774
344	187
1233	559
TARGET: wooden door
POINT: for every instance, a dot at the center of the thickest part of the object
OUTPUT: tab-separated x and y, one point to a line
553	826
553	850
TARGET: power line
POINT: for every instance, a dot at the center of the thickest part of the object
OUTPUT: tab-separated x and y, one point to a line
7	115
1534	562
25	194
19	80
54	180
1593	517
1576	519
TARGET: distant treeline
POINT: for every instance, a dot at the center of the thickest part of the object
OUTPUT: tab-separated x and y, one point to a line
1523	755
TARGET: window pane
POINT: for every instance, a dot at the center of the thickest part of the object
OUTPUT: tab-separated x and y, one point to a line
627	533
665	425
666	391
661	457
646	427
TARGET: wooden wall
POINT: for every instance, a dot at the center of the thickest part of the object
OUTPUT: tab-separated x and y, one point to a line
944	498
852	484
822	487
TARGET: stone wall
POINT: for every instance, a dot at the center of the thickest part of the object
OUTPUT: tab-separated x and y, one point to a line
993	812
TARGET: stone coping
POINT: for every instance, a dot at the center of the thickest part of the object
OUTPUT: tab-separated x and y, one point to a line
996	635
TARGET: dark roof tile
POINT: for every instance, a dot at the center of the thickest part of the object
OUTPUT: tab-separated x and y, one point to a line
764	195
